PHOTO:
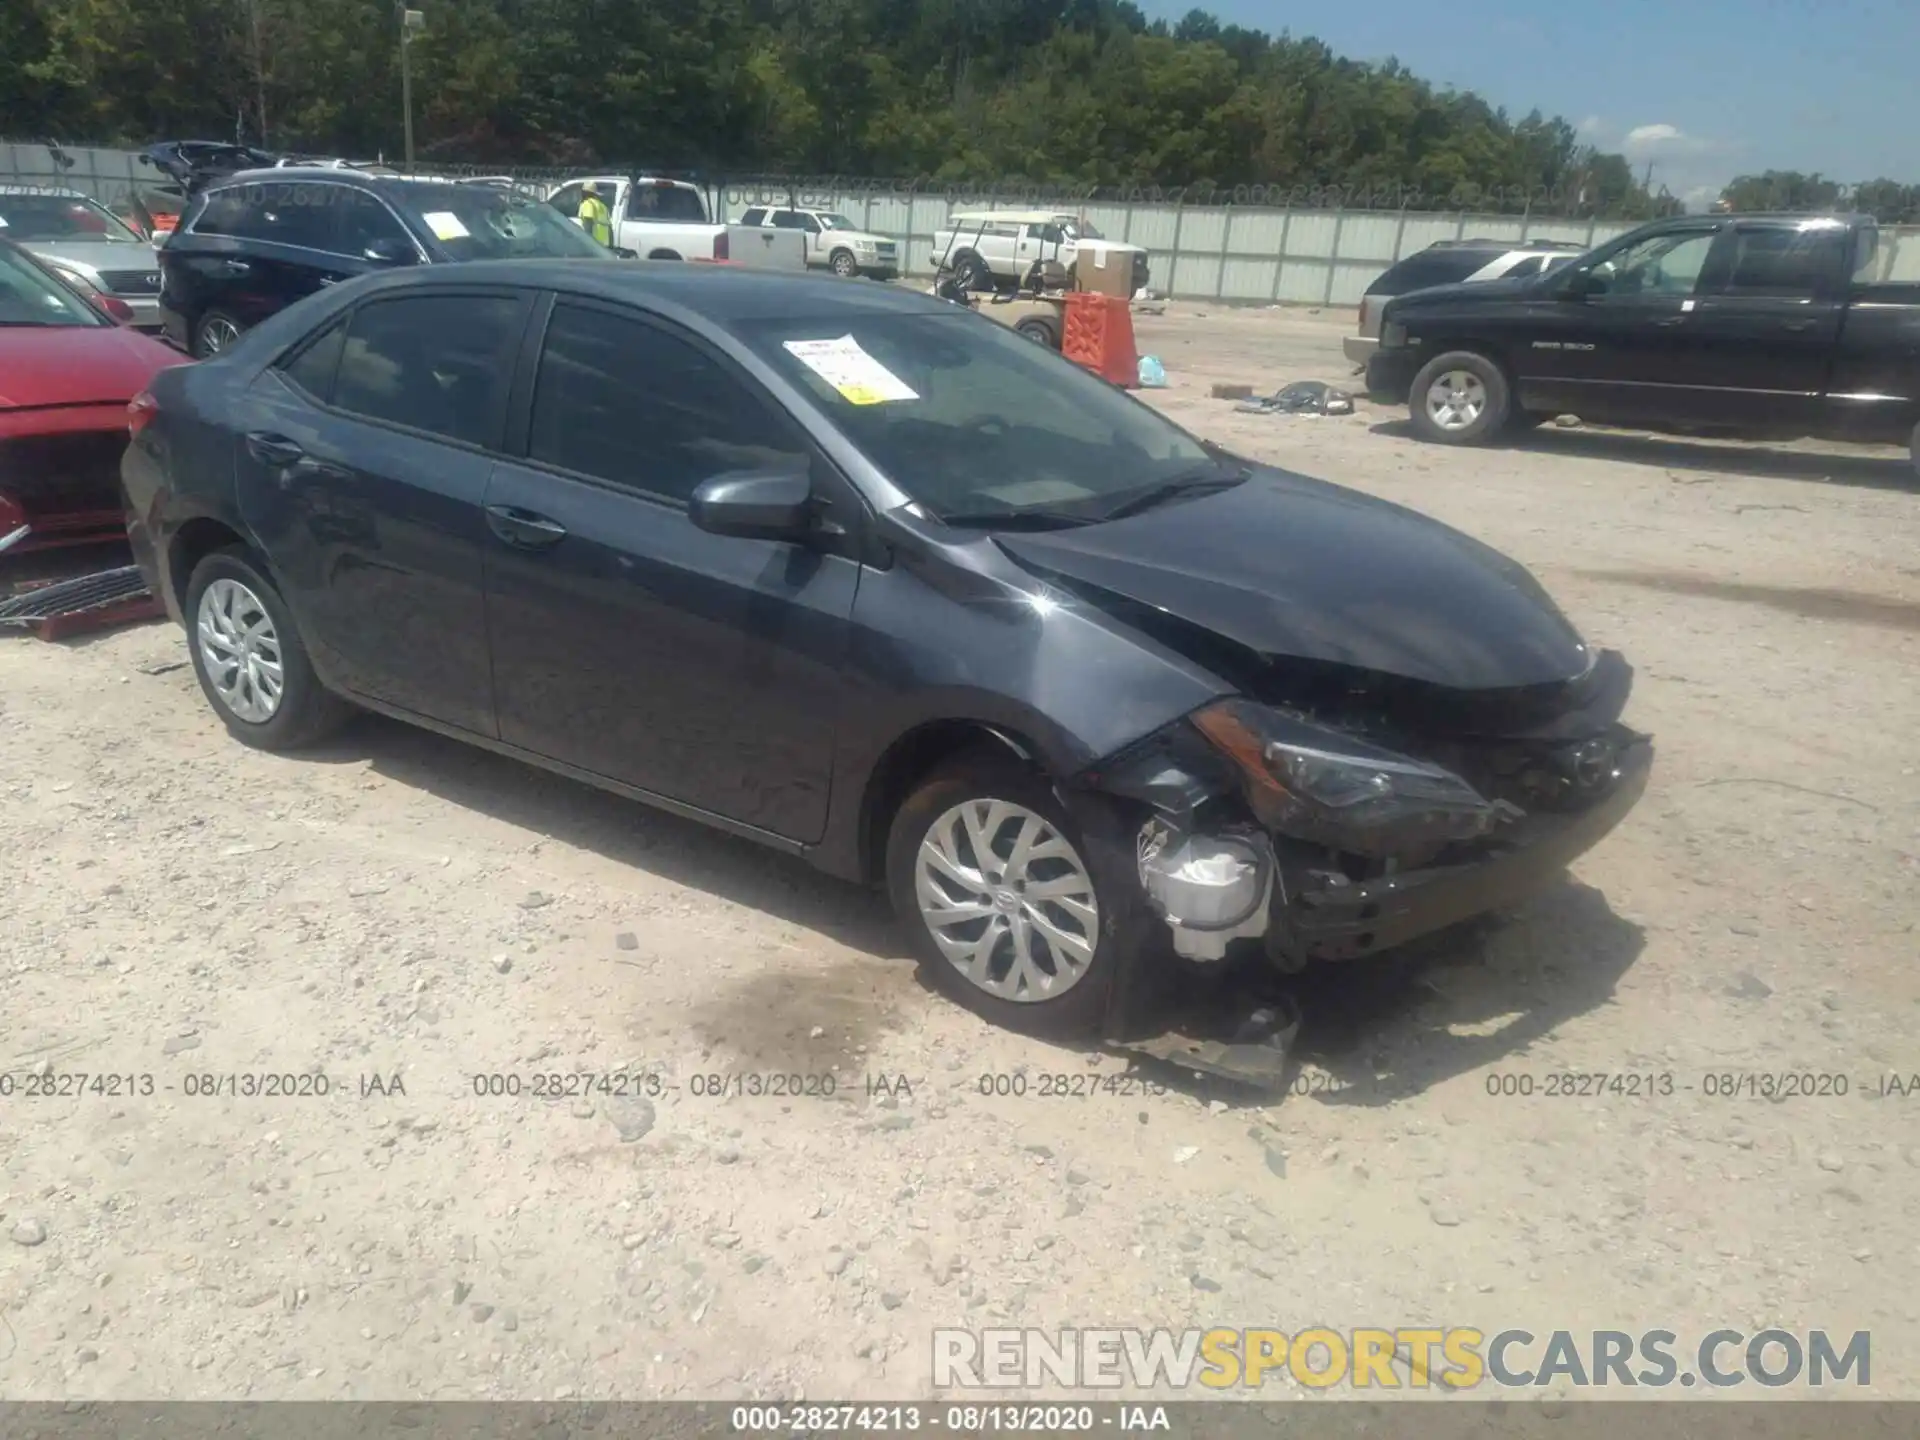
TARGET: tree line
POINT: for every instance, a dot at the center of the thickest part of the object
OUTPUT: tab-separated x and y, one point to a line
1064	92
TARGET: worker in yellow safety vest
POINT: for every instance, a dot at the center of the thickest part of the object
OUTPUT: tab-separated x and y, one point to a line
595	218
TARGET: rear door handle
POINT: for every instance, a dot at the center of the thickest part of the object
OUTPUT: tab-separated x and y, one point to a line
1671	321
237	267
1797	324
523	528
274	450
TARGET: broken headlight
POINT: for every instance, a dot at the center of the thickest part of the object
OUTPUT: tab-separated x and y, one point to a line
1320	785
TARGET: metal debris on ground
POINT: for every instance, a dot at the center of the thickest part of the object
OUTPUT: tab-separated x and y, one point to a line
1303	397
85	602
1251	1047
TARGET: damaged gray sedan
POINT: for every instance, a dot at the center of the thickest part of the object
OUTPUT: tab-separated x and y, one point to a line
873	580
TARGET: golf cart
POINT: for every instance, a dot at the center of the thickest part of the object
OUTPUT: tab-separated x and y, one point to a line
1035	308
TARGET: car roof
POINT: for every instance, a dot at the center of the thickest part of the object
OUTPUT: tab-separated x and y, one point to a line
55	192
719	292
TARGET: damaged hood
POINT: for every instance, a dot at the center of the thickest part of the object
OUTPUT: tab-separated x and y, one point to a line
1295	568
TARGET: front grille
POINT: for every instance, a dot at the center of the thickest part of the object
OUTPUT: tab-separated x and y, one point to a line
49	475
132	282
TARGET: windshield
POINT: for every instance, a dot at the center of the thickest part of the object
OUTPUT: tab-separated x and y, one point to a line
970	418
476	222
835	222
29	217
30	296
1080	230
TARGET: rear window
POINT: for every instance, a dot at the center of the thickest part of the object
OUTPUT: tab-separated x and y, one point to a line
1431	267
661	200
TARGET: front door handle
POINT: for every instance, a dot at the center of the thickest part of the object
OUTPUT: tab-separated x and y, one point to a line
1797	324
274	450
1670	321
523	528
237	267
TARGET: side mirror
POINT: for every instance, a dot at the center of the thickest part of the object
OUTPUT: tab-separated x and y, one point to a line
755	505
625	254
1579	285
388	251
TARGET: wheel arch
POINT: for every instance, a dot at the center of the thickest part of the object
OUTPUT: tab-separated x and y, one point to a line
196	539
910	759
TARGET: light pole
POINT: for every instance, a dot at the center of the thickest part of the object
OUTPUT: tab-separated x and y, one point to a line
411	23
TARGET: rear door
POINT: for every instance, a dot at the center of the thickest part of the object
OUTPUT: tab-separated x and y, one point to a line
363	463
628	643
1763	331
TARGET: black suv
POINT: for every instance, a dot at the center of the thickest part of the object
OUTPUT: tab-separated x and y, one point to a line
263	239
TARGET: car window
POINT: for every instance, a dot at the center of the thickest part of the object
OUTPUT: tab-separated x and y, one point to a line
224	213
30	296
1532	265
290	214
477	222
754	217
810	224
1429	268
969	417
1796	263
27	216
363	221
786	220
1660	265
312	365
567	199
663	200
605	379
433	362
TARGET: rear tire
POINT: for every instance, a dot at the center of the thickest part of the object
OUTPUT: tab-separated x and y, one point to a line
1459	398
213	333
1041	332
250	660
973	272
1071	947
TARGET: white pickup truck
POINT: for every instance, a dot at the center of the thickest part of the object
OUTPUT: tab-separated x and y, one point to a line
668	220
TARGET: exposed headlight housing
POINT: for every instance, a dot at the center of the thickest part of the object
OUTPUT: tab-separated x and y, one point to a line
1393	335
1322	786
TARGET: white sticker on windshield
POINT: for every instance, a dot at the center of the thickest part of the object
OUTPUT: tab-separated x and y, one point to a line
445	225
858	377
3	222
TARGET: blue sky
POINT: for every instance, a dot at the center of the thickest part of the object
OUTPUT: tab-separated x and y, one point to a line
1704	89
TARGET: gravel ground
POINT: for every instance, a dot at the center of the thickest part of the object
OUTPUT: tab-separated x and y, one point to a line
398	914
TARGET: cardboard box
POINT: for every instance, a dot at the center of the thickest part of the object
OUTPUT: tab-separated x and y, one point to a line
1115	277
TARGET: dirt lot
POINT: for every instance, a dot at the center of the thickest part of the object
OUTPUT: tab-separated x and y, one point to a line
400	906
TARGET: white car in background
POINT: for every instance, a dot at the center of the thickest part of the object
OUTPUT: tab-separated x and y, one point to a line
833	241
660	219
998	249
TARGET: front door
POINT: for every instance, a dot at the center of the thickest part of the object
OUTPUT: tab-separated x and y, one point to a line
363	461
1619	350
626	642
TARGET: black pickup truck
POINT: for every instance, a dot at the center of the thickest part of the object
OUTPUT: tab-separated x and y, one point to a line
1759	325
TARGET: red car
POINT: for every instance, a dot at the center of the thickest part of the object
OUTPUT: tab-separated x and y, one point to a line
67	371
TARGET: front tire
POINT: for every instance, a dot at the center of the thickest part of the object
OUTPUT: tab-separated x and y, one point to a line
1460	398
250	660
1006	912
843	264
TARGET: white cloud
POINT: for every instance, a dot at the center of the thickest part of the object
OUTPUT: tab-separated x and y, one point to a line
1592	125
1648	137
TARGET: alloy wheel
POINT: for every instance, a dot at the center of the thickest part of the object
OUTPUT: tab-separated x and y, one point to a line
1456	399
843	264
241	651
1007	899
217	334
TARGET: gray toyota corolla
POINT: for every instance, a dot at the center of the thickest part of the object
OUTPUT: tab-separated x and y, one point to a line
871	579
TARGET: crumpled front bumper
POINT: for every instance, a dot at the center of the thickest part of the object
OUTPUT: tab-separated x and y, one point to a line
1328	920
